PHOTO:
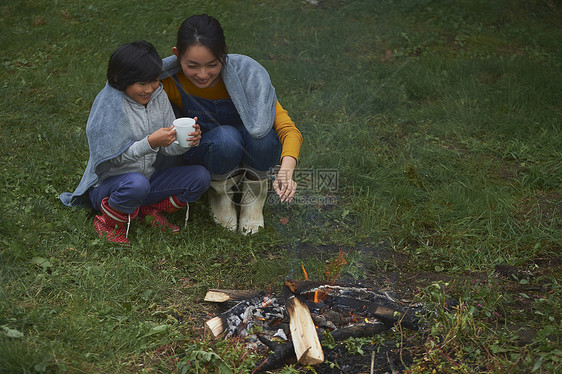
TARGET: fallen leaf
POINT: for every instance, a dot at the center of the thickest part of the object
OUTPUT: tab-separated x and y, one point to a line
38	21
12	333
43	262
284	221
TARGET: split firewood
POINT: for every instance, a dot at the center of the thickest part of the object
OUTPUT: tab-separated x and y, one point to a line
215	326
221	296
303	332
233	319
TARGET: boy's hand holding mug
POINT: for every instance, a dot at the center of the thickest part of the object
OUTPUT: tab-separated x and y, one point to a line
162	137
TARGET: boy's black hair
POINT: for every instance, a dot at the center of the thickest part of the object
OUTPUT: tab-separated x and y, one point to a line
133	62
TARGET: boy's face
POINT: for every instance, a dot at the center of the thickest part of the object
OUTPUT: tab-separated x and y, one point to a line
142	91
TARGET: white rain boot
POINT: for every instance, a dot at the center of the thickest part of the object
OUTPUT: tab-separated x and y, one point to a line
222	204
254	193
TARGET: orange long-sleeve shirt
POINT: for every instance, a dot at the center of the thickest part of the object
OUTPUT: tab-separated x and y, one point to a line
289	135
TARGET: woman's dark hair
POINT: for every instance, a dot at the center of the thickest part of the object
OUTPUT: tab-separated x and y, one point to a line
205	30
133	62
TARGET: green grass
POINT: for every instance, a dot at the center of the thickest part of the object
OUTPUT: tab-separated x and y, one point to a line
443	121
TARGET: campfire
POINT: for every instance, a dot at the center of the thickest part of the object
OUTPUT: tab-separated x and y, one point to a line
294	324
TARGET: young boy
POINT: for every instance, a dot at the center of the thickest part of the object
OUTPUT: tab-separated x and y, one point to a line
129	124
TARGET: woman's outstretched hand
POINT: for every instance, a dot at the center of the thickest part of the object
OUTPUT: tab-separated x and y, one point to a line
284	185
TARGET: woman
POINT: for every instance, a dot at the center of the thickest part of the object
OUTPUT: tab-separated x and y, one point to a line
243	125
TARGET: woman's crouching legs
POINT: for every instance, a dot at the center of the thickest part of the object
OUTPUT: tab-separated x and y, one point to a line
260	157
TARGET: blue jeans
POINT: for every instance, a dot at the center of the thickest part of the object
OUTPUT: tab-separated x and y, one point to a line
130	190
226	148
225	144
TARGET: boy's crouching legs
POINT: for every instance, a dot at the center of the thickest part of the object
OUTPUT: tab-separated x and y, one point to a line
112	224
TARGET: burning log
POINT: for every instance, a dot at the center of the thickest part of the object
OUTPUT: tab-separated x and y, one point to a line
304	286
303	332
357	300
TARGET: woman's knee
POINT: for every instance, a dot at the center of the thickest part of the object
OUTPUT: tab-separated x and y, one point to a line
263	153
227	142
225	151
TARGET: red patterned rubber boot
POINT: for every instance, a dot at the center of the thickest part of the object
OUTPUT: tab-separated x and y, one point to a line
169	205
113	225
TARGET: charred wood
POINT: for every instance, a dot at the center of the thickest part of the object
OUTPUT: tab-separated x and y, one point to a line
387	314
300	287
283	353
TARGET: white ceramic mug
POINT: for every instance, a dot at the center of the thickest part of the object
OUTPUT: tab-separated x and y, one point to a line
183	126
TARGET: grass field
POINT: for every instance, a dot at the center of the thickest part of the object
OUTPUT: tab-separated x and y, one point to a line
441	120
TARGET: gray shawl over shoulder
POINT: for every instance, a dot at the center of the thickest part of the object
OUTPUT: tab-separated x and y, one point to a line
109	134
249	87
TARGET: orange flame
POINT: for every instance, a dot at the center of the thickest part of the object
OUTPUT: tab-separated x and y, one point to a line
304	272
319	296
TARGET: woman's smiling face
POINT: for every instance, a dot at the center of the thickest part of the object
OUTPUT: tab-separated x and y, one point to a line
200	66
